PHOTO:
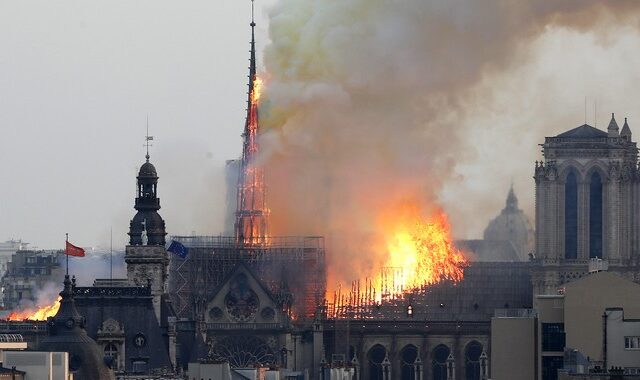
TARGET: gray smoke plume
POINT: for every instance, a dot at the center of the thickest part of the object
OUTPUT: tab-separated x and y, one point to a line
369	107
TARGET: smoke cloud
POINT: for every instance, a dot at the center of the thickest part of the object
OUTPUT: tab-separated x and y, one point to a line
370	105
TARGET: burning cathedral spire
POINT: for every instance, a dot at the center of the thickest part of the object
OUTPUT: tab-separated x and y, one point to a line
251	207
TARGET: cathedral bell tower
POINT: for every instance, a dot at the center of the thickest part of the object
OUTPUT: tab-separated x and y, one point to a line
146	256
587	206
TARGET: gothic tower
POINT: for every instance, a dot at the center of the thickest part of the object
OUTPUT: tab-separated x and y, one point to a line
587	205
146	256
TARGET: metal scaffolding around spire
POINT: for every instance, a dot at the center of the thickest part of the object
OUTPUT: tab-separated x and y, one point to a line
251	207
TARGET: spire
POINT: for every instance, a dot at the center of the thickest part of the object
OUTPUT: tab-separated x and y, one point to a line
626	131
613	127
252	212
252	59
147	139
512	200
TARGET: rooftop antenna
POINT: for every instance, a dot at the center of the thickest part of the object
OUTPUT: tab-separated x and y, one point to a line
585	110
147	139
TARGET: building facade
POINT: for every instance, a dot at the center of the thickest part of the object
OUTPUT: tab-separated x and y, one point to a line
27	273
587	205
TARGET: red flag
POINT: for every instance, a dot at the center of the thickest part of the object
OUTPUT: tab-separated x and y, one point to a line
72	250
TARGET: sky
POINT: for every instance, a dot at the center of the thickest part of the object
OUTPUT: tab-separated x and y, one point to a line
78	80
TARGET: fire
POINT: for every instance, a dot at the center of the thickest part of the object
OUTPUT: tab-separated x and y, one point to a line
40	314
424	254
257	90
413	251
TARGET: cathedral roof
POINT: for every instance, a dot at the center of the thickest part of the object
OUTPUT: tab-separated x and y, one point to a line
584	131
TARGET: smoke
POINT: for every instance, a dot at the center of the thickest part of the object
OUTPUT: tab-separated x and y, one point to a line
97	264
370	105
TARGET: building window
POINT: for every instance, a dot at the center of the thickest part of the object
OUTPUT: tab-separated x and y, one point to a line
595	216
571	217
409	354
632	342
377	354
472	360
111	352
553	337
550	367
439	363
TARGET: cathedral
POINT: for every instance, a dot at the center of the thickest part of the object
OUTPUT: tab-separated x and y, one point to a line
254	300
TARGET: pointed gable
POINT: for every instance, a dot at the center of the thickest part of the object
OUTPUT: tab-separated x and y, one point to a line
243	298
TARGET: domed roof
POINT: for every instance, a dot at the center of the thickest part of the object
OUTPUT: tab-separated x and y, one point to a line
512	225
148	170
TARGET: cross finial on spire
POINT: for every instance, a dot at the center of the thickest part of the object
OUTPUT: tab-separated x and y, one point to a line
147	139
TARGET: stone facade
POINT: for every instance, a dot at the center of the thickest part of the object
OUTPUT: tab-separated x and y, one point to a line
587	205
147	266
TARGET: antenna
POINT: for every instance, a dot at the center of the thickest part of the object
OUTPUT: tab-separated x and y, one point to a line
147	139
585	110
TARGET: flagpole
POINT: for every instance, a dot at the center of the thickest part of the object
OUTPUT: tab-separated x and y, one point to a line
65	252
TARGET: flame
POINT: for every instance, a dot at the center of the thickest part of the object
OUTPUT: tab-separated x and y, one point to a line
257	90
421	254
40	314
417	251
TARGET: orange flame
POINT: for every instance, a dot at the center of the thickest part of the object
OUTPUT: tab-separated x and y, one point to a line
424	254
418	252
40	314
257	90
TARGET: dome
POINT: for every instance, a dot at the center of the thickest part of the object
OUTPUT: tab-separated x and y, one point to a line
512	225
148	170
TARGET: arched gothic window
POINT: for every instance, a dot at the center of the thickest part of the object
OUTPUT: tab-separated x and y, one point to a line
439	362
472	360
409	354
376	356
571	217
595	216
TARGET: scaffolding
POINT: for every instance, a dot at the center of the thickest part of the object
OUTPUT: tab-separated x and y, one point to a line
289	266
485	287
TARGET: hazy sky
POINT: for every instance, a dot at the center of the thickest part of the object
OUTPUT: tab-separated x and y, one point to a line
78	78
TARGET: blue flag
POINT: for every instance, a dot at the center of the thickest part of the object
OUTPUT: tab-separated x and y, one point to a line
177	248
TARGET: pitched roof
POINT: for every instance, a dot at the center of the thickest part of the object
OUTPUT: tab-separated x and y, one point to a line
584	132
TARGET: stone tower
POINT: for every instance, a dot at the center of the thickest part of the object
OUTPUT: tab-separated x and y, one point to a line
587	205
146	256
